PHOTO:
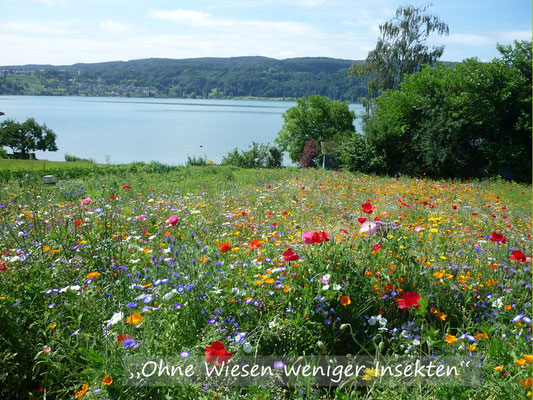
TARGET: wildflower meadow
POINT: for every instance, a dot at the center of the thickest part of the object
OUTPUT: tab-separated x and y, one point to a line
224	262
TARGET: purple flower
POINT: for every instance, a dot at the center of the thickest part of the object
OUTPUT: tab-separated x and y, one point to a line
184	354
131	305
279	365
130	343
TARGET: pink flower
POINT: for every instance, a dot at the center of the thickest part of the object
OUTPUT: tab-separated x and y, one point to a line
308	236
368	227
141	217
86	201
172	221
418	228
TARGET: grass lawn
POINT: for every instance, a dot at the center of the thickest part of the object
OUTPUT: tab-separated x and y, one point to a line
198	263
41	165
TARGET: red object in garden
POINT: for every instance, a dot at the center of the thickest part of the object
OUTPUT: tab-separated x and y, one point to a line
517	255
367	207
290	255
408	300
217	353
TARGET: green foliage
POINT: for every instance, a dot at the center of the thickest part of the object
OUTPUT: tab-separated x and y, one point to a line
27	136
357	153
72	158
401	49
313	118
197	161
191	78
257	156
472	119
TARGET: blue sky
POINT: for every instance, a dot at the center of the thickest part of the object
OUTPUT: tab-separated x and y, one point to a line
71	31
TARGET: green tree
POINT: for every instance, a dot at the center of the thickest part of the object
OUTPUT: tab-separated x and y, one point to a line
313	118
25	137
401	49
472	119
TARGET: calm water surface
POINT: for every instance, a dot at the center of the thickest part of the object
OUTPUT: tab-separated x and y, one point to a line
124	130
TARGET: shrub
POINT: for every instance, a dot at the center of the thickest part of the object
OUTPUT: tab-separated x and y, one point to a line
257	156
310	154
197	161
71	158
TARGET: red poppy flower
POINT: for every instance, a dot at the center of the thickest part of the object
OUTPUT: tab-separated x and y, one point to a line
126	187
498	237
517	255
255	244
290	255
112	197
224	247
361	220
377	247
315	237
3	267
217	353
121	338
367	207
78	222
408	300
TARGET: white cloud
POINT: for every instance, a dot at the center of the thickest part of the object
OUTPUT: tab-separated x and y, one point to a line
469	39
53	2
115	27
311	3
485	39
509	36
50	28
199	19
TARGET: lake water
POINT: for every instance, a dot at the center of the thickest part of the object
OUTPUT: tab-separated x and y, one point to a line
122	130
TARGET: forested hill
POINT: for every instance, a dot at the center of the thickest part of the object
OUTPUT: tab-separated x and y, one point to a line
192	78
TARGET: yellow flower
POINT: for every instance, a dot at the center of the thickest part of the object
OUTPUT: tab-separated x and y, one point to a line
107	380
450	339
370	373
471	348
499	368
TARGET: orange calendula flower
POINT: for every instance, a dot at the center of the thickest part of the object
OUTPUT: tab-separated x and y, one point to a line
471	348
520	362
481	336
134	319
83	390
526	383
107	380
345	300
92	275
528	358
499	368
450	339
